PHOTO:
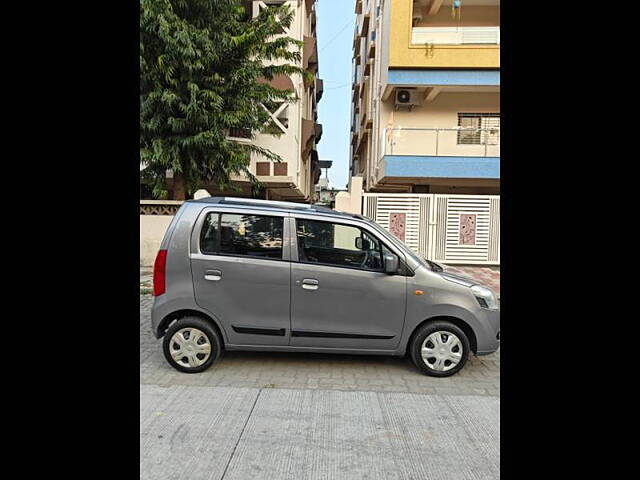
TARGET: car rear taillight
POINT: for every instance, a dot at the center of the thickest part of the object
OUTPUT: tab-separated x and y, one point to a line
159	273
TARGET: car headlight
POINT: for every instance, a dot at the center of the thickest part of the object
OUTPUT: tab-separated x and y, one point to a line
485	296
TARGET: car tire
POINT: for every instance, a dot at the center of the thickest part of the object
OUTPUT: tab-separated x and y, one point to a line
438	360
196	339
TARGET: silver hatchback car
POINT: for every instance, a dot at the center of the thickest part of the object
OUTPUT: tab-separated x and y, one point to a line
242	274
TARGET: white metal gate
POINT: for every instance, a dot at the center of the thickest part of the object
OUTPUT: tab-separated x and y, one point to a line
455	229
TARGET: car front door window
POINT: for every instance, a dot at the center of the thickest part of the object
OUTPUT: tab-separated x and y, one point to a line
328	243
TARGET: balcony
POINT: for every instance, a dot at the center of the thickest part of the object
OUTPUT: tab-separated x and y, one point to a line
309	6
445	142
435	39
364	19
442	152
308	136
367	67
238	134
310	54
456	36
356	37
318	131
371	48
319	89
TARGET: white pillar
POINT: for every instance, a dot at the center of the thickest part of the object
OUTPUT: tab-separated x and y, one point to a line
351	201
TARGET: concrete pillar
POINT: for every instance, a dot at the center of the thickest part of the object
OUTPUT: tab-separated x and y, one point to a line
351	202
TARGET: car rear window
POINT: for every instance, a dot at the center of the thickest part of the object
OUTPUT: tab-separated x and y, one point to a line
242	235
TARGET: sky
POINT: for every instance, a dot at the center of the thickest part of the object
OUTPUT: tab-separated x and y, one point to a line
336	22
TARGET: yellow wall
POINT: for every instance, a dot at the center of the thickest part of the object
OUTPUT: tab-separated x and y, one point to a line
403	54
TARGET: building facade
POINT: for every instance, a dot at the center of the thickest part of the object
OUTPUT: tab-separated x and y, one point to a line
294	178
326	196
426	96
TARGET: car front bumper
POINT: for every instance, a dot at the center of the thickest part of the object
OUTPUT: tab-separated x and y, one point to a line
488	340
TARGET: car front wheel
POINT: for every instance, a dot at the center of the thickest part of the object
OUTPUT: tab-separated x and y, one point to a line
440	349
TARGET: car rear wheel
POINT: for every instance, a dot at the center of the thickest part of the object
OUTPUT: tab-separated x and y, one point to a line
191	345
439	349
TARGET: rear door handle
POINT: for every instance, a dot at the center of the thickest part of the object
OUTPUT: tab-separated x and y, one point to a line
213	275
310	284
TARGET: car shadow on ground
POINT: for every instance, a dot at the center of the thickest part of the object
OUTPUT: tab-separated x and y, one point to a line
321	360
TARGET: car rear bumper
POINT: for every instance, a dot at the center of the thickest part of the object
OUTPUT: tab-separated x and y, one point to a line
159	311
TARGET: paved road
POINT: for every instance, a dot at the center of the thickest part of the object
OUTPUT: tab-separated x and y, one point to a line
229	433
311	416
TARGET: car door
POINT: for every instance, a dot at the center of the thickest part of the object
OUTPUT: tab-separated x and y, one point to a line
241	273
340	295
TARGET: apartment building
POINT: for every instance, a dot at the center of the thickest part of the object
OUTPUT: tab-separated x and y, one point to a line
426	96
294	178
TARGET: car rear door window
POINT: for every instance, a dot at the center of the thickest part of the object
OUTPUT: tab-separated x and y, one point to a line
242	235
209	233
336	244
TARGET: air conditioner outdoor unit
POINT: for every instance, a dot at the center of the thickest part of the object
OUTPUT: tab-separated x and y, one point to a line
407	98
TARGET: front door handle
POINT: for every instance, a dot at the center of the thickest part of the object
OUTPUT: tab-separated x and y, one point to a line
213	275
310	284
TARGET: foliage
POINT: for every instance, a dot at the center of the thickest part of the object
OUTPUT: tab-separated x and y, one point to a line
200	66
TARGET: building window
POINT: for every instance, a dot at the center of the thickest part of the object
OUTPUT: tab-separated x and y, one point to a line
280	169
263	169
479	128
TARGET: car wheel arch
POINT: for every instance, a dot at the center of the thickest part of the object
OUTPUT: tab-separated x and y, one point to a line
178	314
464	326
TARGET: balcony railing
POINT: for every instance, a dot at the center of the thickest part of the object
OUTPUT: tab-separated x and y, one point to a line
456	35
442	142
239	134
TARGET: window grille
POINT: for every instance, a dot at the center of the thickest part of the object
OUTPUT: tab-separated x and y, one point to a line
237	132
479	128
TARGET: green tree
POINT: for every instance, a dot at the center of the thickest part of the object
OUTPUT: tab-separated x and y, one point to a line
200	66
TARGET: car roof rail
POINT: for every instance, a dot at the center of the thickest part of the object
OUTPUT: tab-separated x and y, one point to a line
254	202
265	203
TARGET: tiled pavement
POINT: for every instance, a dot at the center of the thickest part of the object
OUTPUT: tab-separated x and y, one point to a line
146	280
481	375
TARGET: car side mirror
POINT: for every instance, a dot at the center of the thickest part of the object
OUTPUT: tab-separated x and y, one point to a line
391	264
362	243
